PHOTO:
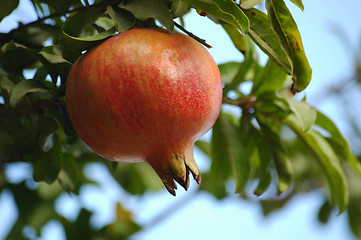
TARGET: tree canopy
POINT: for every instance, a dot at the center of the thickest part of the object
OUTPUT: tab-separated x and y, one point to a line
278	141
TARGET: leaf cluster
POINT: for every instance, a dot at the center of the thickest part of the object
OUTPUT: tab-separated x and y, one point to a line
263	141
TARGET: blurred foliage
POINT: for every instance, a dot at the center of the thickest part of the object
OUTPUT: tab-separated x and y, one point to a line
283	144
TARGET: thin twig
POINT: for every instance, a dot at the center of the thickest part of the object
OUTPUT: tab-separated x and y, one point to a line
232	101
202	41
7	37
244	102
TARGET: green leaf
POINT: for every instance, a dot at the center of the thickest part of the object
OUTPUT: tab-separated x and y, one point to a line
354	218
6	7
6	84
325	212
144	9
205	147
137	178
65	120
41	74
337	141
213	186
269	103
105	22
304	116
221	164
35	35
123	19
47	166
284	25
299	4
53	54
284	170
179	8
82	222
229	153
247	65
229	71
247	4
17	57
272	78
24	87
46	127
266	39
86	43
265	157
237	38
75	24
329	161
280	158
226	10
72	170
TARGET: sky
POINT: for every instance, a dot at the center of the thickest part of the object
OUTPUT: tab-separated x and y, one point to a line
201	216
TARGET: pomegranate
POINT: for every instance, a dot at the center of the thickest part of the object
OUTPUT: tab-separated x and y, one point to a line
146	95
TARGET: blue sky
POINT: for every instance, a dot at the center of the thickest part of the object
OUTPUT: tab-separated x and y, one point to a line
202	217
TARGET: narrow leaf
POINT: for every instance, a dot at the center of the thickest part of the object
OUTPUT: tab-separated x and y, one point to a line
105	22
263	35
237	38
246	4
75	24
53	54
123	19
337	141
226	10
269	103
325	212
325	123
280	158
86	43
354	218
205	147
46	128
263	184
144	9
65	120
304	116
6	84
246	67
284	170
6	7
299	4
272	78
24	87
284	25
179	8
329	161
265	157
48	165
228	153
229	71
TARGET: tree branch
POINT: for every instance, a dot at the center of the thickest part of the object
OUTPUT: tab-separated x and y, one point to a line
202	41
7	37
247	102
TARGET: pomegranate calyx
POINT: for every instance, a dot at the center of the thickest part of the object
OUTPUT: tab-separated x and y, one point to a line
176	168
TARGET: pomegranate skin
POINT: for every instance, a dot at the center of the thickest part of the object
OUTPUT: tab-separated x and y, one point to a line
146	95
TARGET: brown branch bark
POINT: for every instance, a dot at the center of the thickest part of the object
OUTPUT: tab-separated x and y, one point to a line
202	41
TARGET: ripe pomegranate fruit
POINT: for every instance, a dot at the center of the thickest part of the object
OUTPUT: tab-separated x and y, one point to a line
146	95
